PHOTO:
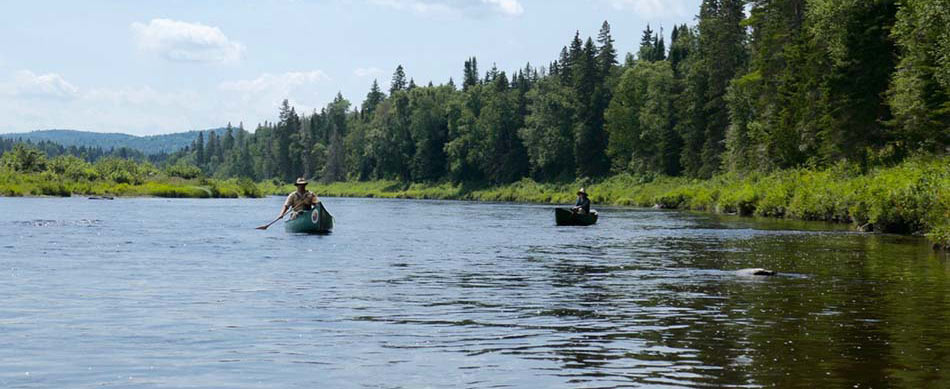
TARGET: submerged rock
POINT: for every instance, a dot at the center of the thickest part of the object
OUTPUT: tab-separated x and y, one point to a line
755	272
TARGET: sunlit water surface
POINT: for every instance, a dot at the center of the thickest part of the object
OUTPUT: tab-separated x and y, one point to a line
416	294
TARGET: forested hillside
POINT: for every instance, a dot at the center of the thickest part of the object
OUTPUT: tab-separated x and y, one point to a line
792	83
149	145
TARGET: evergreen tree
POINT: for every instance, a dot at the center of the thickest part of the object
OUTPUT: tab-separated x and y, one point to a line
590	141
373	98
659	47
199	148
647	46
722	55
228	142
470	78
919	93
606	54
399	81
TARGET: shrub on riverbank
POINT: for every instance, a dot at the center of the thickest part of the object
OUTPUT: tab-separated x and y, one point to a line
50	184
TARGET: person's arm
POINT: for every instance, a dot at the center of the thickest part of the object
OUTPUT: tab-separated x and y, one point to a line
286	206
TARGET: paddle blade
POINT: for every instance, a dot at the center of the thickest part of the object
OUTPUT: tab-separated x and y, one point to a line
264	227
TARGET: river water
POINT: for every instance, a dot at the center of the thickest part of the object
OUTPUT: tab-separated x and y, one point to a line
160	293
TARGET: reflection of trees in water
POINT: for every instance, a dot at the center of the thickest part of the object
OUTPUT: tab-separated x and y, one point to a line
845	323
867	310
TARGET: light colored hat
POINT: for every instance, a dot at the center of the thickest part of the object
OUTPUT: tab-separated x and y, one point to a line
581	191
301	181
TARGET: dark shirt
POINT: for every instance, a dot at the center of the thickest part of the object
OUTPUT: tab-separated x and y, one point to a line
583	203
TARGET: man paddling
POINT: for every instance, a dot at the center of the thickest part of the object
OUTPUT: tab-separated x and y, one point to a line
299	200
582	205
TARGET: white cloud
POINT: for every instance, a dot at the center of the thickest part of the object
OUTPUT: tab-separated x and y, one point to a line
267	82
652	8
29	102
257	99
455	7
51	86
186	42
367	72
508	7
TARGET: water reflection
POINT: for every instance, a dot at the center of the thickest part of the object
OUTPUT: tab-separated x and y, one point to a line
454	294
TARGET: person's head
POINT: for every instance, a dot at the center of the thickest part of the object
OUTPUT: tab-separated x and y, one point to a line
301	184
582	192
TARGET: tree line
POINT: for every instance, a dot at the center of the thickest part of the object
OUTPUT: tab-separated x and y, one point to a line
87	153
754	85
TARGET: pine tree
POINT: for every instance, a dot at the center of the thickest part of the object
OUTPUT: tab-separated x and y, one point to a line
647	47
212	148
722	54
228	142
398	82
373	98
919	94
659	47
590	141
199	148
606	54
470	78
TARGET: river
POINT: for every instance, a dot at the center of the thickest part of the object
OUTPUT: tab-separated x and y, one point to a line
174	293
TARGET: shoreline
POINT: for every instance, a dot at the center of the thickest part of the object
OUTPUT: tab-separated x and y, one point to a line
911	198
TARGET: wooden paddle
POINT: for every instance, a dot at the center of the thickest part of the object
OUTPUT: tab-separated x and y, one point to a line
264	227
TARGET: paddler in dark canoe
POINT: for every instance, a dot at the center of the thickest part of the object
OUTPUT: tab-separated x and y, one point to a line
580	215
582	206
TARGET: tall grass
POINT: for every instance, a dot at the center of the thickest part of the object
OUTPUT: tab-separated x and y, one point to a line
910	198
913	197
49	184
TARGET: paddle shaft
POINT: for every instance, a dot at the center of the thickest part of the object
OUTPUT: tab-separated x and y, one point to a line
264	227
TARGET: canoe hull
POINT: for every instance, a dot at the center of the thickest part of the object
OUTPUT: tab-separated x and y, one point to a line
315	221
564	217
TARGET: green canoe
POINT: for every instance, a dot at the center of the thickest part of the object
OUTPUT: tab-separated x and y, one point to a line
315	221
566	217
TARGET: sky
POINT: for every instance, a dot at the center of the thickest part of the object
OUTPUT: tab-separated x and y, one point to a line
153	67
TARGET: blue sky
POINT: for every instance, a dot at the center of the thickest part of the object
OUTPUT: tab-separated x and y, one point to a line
149	67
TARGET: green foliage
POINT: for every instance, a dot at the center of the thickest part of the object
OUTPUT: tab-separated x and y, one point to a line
548	131
919	93
639	121
24	159
183	170
72	168
123	171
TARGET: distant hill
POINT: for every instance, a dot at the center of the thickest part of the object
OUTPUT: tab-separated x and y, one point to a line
152	144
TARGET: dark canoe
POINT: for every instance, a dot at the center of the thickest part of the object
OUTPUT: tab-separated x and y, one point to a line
315	221
564	217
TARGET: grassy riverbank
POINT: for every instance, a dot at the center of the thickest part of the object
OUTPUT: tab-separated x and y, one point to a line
910	198
913	197
45	184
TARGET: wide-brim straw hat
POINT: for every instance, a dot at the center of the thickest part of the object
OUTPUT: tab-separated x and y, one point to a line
582	191
300	181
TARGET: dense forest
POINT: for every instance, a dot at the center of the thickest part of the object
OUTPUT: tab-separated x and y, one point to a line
754	85
149	145
86	153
